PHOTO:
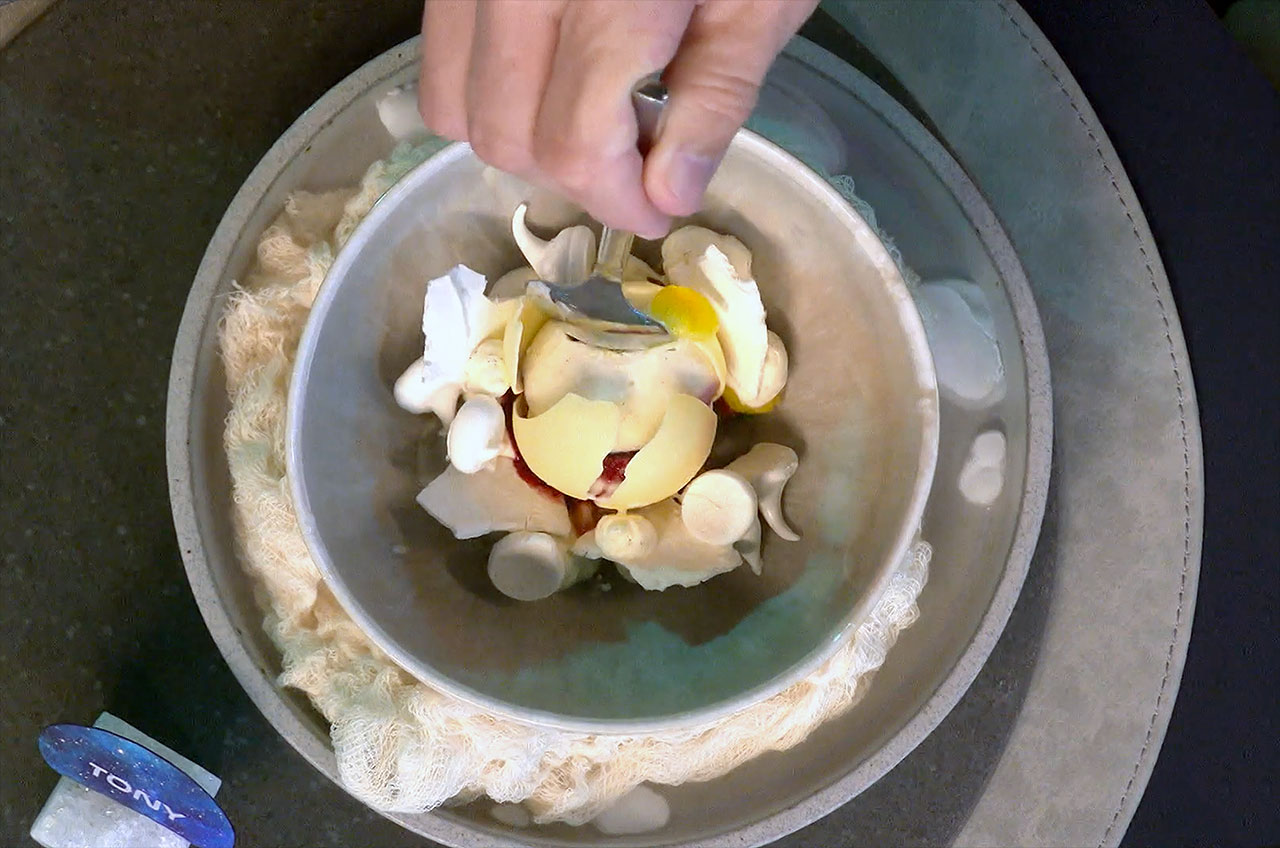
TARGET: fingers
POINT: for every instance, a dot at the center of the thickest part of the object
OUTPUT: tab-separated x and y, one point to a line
713	82
511	55
585	134
542	88
448	27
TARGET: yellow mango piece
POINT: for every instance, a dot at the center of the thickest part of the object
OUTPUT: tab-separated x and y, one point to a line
735	403
684	312
566	445
672	457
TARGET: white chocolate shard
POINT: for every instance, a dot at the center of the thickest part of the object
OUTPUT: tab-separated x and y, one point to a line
564	260
478	434
718	507
455	318
493	499
768	467
529	566
625	537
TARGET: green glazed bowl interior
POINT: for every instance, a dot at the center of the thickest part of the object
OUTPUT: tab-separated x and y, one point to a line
860	408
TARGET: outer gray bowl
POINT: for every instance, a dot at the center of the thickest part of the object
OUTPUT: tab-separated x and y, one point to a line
861	409
945	227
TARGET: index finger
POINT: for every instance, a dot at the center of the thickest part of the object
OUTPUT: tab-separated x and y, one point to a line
585	135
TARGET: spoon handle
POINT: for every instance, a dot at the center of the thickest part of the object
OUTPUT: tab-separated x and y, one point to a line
649	99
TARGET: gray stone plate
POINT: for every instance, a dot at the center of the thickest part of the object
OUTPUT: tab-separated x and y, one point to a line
944	228
1095	647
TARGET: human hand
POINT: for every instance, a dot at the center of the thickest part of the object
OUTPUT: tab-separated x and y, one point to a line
542	89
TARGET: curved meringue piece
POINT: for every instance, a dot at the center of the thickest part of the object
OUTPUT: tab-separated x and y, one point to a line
478	434
768	467
528	566
513	283
636	269
414	393
564	260
688	244
718	507
773	378
719	268
749	546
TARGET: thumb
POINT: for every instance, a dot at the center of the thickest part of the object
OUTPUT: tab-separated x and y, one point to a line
712	85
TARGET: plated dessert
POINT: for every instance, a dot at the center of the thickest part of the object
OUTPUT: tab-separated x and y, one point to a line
586	443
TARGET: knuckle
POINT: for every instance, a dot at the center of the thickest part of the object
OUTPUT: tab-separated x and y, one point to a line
569	164
498	146
724	94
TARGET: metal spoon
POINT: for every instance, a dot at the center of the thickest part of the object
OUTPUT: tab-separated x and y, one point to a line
599	298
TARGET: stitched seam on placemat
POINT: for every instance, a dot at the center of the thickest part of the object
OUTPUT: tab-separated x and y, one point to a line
1182	419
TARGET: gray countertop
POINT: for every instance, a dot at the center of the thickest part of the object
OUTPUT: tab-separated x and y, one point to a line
125	134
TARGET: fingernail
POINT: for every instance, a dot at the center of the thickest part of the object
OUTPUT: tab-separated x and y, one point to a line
688	177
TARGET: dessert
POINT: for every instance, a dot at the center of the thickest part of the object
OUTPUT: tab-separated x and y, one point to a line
583	444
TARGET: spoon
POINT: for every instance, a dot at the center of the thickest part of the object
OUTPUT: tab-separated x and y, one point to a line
599	299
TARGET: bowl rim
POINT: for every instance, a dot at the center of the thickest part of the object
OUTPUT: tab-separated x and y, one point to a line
905	534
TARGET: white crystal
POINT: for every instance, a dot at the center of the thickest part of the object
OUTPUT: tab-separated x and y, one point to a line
77	817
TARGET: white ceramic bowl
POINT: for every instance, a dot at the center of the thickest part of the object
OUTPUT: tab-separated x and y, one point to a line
861	409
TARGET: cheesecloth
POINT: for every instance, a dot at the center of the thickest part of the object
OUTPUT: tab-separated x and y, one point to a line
401	745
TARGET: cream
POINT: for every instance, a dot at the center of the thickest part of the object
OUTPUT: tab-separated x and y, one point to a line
768	467
478	435
625	537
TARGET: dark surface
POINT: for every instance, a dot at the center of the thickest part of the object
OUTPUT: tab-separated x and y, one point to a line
1198	130
125	135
